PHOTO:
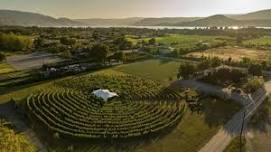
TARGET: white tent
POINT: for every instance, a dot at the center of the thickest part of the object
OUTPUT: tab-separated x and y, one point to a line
104	94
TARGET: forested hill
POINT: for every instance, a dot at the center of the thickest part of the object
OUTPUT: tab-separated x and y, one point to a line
19	18
221	20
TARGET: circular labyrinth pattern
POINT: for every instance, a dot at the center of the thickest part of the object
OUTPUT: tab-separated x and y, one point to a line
72	113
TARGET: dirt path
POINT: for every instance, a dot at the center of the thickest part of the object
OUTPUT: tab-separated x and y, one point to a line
8	111
233	127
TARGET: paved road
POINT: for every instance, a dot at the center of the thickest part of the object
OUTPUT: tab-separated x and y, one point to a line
8	112
233	127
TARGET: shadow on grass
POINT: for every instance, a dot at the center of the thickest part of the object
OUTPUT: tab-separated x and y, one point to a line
261	120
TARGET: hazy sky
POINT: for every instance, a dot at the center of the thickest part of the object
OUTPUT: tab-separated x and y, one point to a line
134	8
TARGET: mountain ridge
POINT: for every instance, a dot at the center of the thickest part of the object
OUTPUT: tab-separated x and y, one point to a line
21	18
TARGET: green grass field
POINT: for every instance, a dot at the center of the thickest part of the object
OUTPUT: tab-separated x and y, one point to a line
182	41
160	70
263	41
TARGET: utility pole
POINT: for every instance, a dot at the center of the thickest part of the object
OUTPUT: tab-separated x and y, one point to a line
242	128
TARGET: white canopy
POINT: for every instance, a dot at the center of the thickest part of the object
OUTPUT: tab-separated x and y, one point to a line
104	94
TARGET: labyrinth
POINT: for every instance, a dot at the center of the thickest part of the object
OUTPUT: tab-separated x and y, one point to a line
143	107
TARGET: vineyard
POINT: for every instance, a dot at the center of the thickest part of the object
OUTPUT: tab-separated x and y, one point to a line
143	107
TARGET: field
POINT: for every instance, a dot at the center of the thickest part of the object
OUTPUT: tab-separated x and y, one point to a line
5	68
161	70
259	42
235	53
183	41
190	134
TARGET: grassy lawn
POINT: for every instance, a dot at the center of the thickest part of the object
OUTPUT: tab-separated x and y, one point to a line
235	53
160	70
6	68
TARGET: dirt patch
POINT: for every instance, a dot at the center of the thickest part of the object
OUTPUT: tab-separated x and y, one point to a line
235	53
32	61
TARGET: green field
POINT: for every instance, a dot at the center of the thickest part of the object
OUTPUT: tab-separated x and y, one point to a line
160	70
263	41
183	41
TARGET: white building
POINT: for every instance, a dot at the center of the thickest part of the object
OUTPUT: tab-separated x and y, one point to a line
104	94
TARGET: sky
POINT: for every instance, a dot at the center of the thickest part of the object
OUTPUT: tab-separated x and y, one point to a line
78	9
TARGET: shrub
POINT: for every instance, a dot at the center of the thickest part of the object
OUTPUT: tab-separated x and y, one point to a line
253	84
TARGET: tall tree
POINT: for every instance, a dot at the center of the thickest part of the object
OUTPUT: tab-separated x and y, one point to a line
185	70
99	52
2	57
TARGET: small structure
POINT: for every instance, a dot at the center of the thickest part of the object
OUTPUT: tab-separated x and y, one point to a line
104	94
165	50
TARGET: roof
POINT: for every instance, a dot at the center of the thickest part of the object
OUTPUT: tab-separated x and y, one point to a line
104	94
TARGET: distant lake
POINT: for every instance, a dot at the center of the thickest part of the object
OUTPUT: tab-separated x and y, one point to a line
163	27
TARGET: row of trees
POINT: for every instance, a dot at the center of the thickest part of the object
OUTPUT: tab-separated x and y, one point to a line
12	42
101	53
188	69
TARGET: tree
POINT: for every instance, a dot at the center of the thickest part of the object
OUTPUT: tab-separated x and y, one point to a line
67	54
253	84
39	42
215	62
185	70
204	64
119	56
99	52
123	43
152	41
12	42
67	41
255	70
2	57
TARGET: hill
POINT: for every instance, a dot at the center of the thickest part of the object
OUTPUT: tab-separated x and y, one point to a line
221	20
19	18
216	20
259	15
166	21
109	22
